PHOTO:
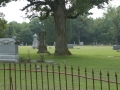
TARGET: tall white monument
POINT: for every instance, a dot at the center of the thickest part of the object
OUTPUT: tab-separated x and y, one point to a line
8	50
35	41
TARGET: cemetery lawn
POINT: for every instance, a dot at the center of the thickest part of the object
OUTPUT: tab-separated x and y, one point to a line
102	58
98	58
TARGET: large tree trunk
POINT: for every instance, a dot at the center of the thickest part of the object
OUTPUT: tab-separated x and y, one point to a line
60	30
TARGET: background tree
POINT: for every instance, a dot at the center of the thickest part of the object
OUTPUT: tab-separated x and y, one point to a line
35	26
50	30
80	27
13	29
69	30
26	36
116	25
113	17
3	26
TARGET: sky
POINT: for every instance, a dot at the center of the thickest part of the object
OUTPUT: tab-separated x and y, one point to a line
13	13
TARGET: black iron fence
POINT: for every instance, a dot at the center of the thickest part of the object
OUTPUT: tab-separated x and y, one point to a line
24	76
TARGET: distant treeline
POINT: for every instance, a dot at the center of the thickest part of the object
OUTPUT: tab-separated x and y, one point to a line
105	30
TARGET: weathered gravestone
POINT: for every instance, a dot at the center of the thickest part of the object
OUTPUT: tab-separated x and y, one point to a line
74	43
35	42
118	50
70	46
81	43
54	43
8	50
21	44
42	48
116	47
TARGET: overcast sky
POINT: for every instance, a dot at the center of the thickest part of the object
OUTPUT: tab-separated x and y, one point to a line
12	11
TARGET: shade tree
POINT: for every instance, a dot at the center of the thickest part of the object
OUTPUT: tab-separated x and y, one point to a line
60	10
3	26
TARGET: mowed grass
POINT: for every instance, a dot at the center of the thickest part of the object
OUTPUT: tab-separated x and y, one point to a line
98	58
101	57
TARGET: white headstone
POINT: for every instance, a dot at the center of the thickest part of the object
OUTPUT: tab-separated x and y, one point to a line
35	41
81	44
96	43
54	44
74	42
8	50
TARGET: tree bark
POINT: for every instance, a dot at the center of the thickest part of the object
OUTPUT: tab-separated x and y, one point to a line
60	30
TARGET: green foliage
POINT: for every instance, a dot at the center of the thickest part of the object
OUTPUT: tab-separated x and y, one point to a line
81	29
50	30
14	29
112	17
21	59
26	36
60	11
3	26
35	25
103	30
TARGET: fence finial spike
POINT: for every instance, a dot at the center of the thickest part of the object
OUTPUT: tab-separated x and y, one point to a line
47	65
52	65
41	65
78	68
85	69
108	73
58	65
71	67
24	64
65	66
19	64
92	71
100	72
116	74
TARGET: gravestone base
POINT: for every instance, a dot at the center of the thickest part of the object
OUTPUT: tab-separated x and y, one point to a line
42	49
9	58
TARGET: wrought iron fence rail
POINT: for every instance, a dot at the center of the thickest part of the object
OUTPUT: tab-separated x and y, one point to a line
63	73
53	72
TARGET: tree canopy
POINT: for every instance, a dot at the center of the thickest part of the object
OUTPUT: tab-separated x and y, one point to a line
3	26
112	19
72	8
60	10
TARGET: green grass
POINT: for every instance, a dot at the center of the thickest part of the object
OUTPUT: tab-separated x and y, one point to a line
102	58
96	57
92	57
